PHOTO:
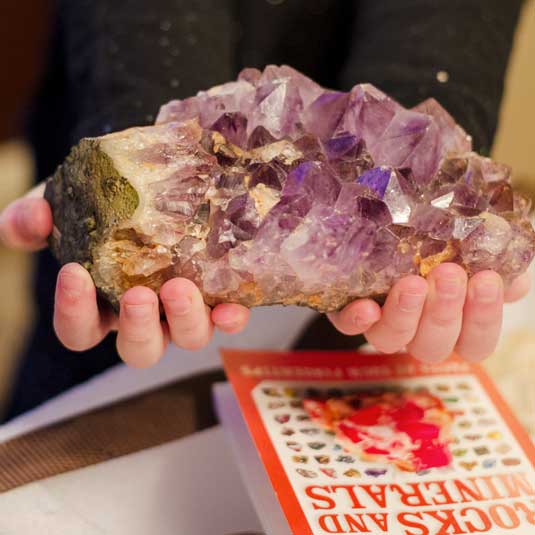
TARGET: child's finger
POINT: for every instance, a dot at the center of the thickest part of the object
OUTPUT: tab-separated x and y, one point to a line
401	315
187	315
141	339
518	288
77	321
482	317
230	318
357	317
26	223
441	319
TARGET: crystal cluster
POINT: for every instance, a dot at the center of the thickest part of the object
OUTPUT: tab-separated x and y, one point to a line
271	189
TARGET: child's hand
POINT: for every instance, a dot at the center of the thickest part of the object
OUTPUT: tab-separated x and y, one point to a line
142	338
433	317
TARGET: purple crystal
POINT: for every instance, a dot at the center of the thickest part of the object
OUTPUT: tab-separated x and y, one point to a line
376	179
326	245
437	223
260	137
277	108
342	146
314	180
452	137
373	210
307	88
502	199
179	110
242	212
400	138
310	148
271	189
322	117
271	175
233	127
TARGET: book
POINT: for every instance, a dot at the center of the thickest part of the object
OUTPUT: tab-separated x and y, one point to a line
341	442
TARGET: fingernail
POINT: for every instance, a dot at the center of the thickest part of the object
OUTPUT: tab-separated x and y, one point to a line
71	285
448	287
138	312
360	322
228	324
487	292
22	217
181	306
409	302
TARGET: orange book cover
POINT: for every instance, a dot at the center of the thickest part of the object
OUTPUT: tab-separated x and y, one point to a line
385	444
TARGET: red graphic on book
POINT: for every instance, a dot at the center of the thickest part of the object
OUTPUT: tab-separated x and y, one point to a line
408	429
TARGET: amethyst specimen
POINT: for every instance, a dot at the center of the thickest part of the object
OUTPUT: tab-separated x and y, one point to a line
271	189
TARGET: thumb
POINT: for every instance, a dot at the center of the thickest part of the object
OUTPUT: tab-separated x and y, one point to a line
26	222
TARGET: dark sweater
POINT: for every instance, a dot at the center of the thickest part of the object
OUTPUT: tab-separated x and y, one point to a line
112	64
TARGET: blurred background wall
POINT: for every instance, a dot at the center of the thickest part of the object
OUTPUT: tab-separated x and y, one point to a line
24	26
21	60
515	141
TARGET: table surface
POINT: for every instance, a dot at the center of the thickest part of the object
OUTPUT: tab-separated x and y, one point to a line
186	487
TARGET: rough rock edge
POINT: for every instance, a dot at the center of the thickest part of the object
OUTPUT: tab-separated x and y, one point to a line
89	199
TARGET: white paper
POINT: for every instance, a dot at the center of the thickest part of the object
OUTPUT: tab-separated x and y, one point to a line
186	487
